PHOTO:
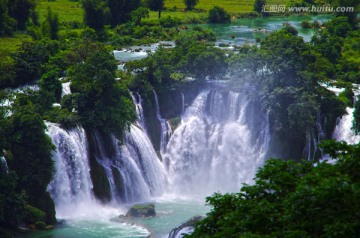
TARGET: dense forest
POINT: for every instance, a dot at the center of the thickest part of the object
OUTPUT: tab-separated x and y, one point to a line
288	199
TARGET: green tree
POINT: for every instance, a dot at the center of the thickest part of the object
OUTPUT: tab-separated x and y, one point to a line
351	15
51	83
190	4
31	149
97	14
7	70
339	26
259	5
28	61
120	10
202	61
218	15
12	202
156	5
50	26
284	55
100	101
32	160
20	10
356	117
290	199
138	14
7	24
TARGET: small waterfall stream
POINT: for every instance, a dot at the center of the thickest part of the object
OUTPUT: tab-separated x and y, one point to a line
343	131
65	89
165	132
3	165
138	101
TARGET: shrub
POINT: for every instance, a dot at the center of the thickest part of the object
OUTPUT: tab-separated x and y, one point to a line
34	214
169	22
40	225
218	15
347	96
306	24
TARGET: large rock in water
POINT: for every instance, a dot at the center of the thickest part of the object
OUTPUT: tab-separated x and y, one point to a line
142	210
185	228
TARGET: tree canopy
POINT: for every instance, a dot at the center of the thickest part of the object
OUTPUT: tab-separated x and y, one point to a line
100	101
190	4
289	199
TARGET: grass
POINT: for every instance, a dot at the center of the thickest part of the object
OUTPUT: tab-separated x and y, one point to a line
11	44
68	11
231	6
176	8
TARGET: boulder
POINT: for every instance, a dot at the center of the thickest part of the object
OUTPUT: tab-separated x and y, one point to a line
142	210
185	228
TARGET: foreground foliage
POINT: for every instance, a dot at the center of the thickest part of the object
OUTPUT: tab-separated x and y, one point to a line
27	149
292	199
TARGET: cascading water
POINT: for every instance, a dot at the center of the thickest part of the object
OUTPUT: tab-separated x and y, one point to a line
71	187
343	131
182	103
3	165
65	89
134	165
137	99
213	149
139	148
165	132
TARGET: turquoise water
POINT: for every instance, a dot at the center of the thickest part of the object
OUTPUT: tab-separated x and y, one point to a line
246	30
170	214
90	229
238	32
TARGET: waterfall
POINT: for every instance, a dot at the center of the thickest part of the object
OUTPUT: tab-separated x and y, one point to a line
134	171
65	89
165	132
182	103
135	164
218	145
343	131
71	186
214	148
3	165
139	149
139	110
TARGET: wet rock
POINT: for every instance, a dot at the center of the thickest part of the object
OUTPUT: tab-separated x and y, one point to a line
185	228
142	210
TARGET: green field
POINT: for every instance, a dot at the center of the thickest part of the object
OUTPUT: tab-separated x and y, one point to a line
231	6
12	43
67	10
71	12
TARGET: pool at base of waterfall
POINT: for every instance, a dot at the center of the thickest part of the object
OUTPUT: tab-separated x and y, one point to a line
170	214
90	229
